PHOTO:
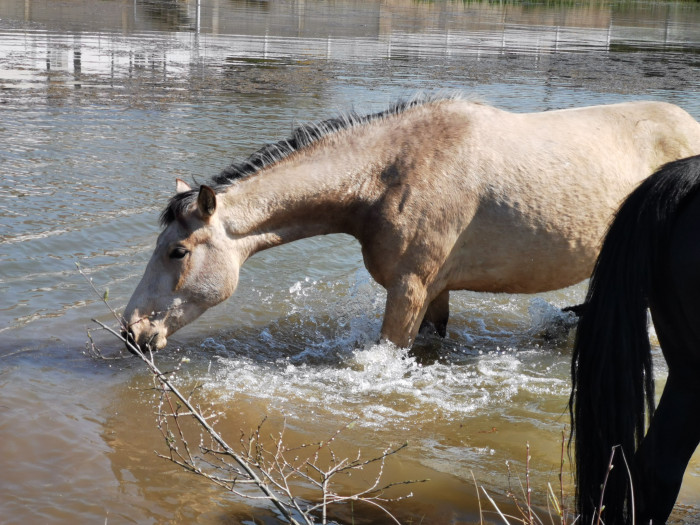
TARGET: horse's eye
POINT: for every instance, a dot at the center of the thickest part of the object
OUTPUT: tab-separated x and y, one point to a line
178	252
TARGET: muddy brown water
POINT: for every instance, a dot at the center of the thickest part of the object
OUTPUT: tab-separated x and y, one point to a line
103	104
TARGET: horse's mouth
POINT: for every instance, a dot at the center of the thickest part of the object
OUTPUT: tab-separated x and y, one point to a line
130	341
150	344
134	347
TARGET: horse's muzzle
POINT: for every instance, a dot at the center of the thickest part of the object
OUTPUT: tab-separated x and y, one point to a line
130	340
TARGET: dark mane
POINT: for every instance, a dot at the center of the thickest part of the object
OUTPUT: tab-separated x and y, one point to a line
272	153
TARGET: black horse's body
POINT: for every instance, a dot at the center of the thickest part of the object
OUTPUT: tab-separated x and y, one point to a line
650	259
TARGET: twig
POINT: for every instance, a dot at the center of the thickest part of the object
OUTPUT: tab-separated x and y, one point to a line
600	509
103	296
561	479
496	507
271	472
478	499
629	476
210	430
527	483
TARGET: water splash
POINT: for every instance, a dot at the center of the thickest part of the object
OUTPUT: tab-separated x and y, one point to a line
321	355
381	384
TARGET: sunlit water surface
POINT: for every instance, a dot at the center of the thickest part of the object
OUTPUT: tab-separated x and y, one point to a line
104	104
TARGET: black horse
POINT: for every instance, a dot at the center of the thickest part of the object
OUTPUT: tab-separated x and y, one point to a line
650	259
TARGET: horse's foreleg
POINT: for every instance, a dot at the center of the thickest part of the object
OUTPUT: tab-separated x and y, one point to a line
663	456
437	314
406	304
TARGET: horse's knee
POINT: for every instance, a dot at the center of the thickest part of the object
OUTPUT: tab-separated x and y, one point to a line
405	309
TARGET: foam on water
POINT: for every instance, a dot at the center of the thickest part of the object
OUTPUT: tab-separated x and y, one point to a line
328	363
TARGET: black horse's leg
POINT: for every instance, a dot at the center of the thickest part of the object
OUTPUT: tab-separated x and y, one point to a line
577	309
674	430
435	319
663	456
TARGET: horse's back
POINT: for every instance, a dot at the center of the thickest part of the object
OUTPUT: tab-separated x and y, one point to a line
511	202
547	184
672	132
617	142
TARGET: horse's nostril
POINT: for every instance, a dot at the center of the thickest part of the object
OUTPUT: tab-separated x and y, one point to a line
130	340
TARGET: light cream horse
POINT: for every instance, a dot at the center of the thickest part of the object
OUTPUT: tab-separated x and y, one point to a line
442	194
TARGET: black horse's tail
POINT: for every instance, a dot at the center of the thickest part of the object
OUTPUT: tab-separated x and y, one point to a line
613	382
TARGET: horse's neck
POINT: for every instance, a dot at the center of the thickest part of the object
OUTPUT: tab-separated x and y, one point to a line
315	193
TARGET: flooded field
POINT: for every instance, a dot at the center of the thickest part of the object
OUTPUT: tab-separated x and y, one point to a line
103	104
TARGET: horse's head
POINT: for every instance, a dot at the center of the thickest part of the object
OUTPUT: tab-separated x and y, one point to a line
194	266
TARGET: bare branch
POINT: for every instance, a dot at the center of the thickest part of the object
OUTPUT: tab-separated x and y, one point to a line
274	471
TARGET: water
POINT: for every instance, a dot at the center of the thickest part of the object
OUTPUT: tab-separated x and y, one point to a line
103	105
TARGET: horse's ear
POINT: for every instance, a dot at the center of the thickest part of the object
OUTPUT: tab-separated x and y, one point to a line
206	201
181	186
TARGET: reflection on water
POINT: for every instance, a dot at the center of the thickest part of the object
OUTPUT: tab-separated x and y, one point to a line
103	104
181	50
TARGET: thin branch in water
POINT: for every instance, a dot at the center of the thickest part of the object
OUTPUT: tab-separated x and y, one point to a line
271	471
503	517
478	499
249	471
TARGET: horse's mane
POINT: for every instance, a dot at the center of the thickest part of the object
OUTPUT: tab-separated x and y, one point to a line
301	137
